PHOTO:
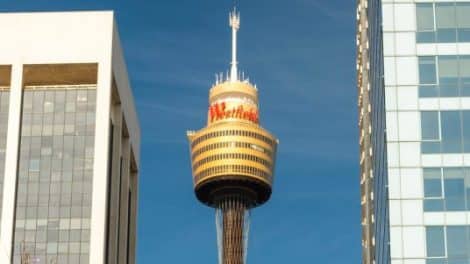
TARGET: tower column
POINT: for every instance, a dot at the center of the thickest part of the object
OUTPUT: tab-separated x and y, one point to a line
233	230
233	159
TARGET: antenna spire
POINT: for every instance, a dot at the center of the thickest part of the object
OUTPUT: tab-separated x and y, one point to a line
234	20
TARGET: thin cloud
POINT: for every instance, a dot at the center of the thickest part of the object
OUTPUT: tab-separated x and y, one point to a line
330	10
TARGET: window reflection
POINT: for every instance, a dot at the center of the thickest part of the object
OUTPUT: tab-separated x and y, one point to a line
443	22
448	244
444	76
446	189
4	105
445	132
53	209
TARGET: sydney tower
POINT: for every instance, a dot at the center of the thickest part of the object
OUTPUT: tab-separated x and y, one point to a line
233	158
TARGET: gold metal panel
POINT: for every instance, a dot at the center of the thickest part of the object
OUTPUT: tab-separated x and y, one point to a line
221	162
240	139
233	139
234	145
231	163
60	74
225	160
233	88
223	129
5	76
231	151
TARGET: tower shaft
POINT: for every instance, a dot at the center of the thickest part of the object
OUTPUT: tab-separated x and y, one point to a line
234	228
233	158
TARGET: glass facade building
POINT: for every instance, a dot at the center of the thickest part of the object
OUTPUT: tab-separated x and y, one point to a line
425	85
4	106
55	178
69	141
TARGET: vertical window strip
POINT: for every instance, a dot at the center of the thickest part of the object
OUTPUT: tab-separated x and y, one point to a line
4	110
445	132
444	76
446	189
448	244
443	22
53	210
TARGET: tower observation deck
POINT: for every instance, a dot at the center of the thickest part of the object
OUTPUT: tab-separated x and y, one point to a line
233	157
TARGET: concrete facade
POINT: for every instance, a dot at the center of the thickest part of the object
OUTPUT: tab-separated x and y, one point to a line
66	50
424	94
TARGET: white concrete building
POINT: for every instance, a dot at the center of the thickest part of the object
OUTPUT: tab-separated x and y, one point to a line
414	72
69	140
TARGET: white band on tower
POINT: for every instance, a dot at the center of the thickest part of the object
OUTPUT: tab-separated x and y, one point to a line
234	19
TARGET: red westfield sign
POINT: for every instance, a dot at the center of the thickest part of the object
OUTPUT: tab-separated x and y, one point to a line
219	111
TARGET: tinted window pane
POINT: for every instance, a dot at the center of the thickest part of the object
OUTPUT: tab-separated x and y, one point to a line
427	77
4	105
425	21
432	183
457	242
449	23
430	147
446	22
433	205
454	189
436	261
448	75
464	74
427	70
428	91
425	17
430	125
463	21
435	241
451	132
466	130
467	190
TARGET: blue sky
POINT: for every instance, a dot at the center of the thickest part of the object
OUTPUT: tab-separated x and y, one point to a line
301	54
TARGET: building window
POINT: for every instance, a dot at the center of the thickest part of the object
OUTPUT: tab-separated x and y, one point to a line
425	22
445	132
463	22
446	189
443	22
444	76
53	202
435	244
446	22
448	244
4	105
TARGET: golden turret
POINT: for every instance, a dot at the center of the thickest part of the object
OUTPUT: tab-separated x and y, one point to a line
233	158
233	149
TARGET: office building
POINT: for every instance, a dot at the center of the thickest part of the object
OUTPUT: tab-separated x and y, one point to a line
414	104
69	141
233	157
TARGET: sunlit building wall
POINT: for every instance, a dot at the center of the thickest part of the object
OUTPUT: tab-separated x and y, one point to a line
69	141
373	148
426	63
